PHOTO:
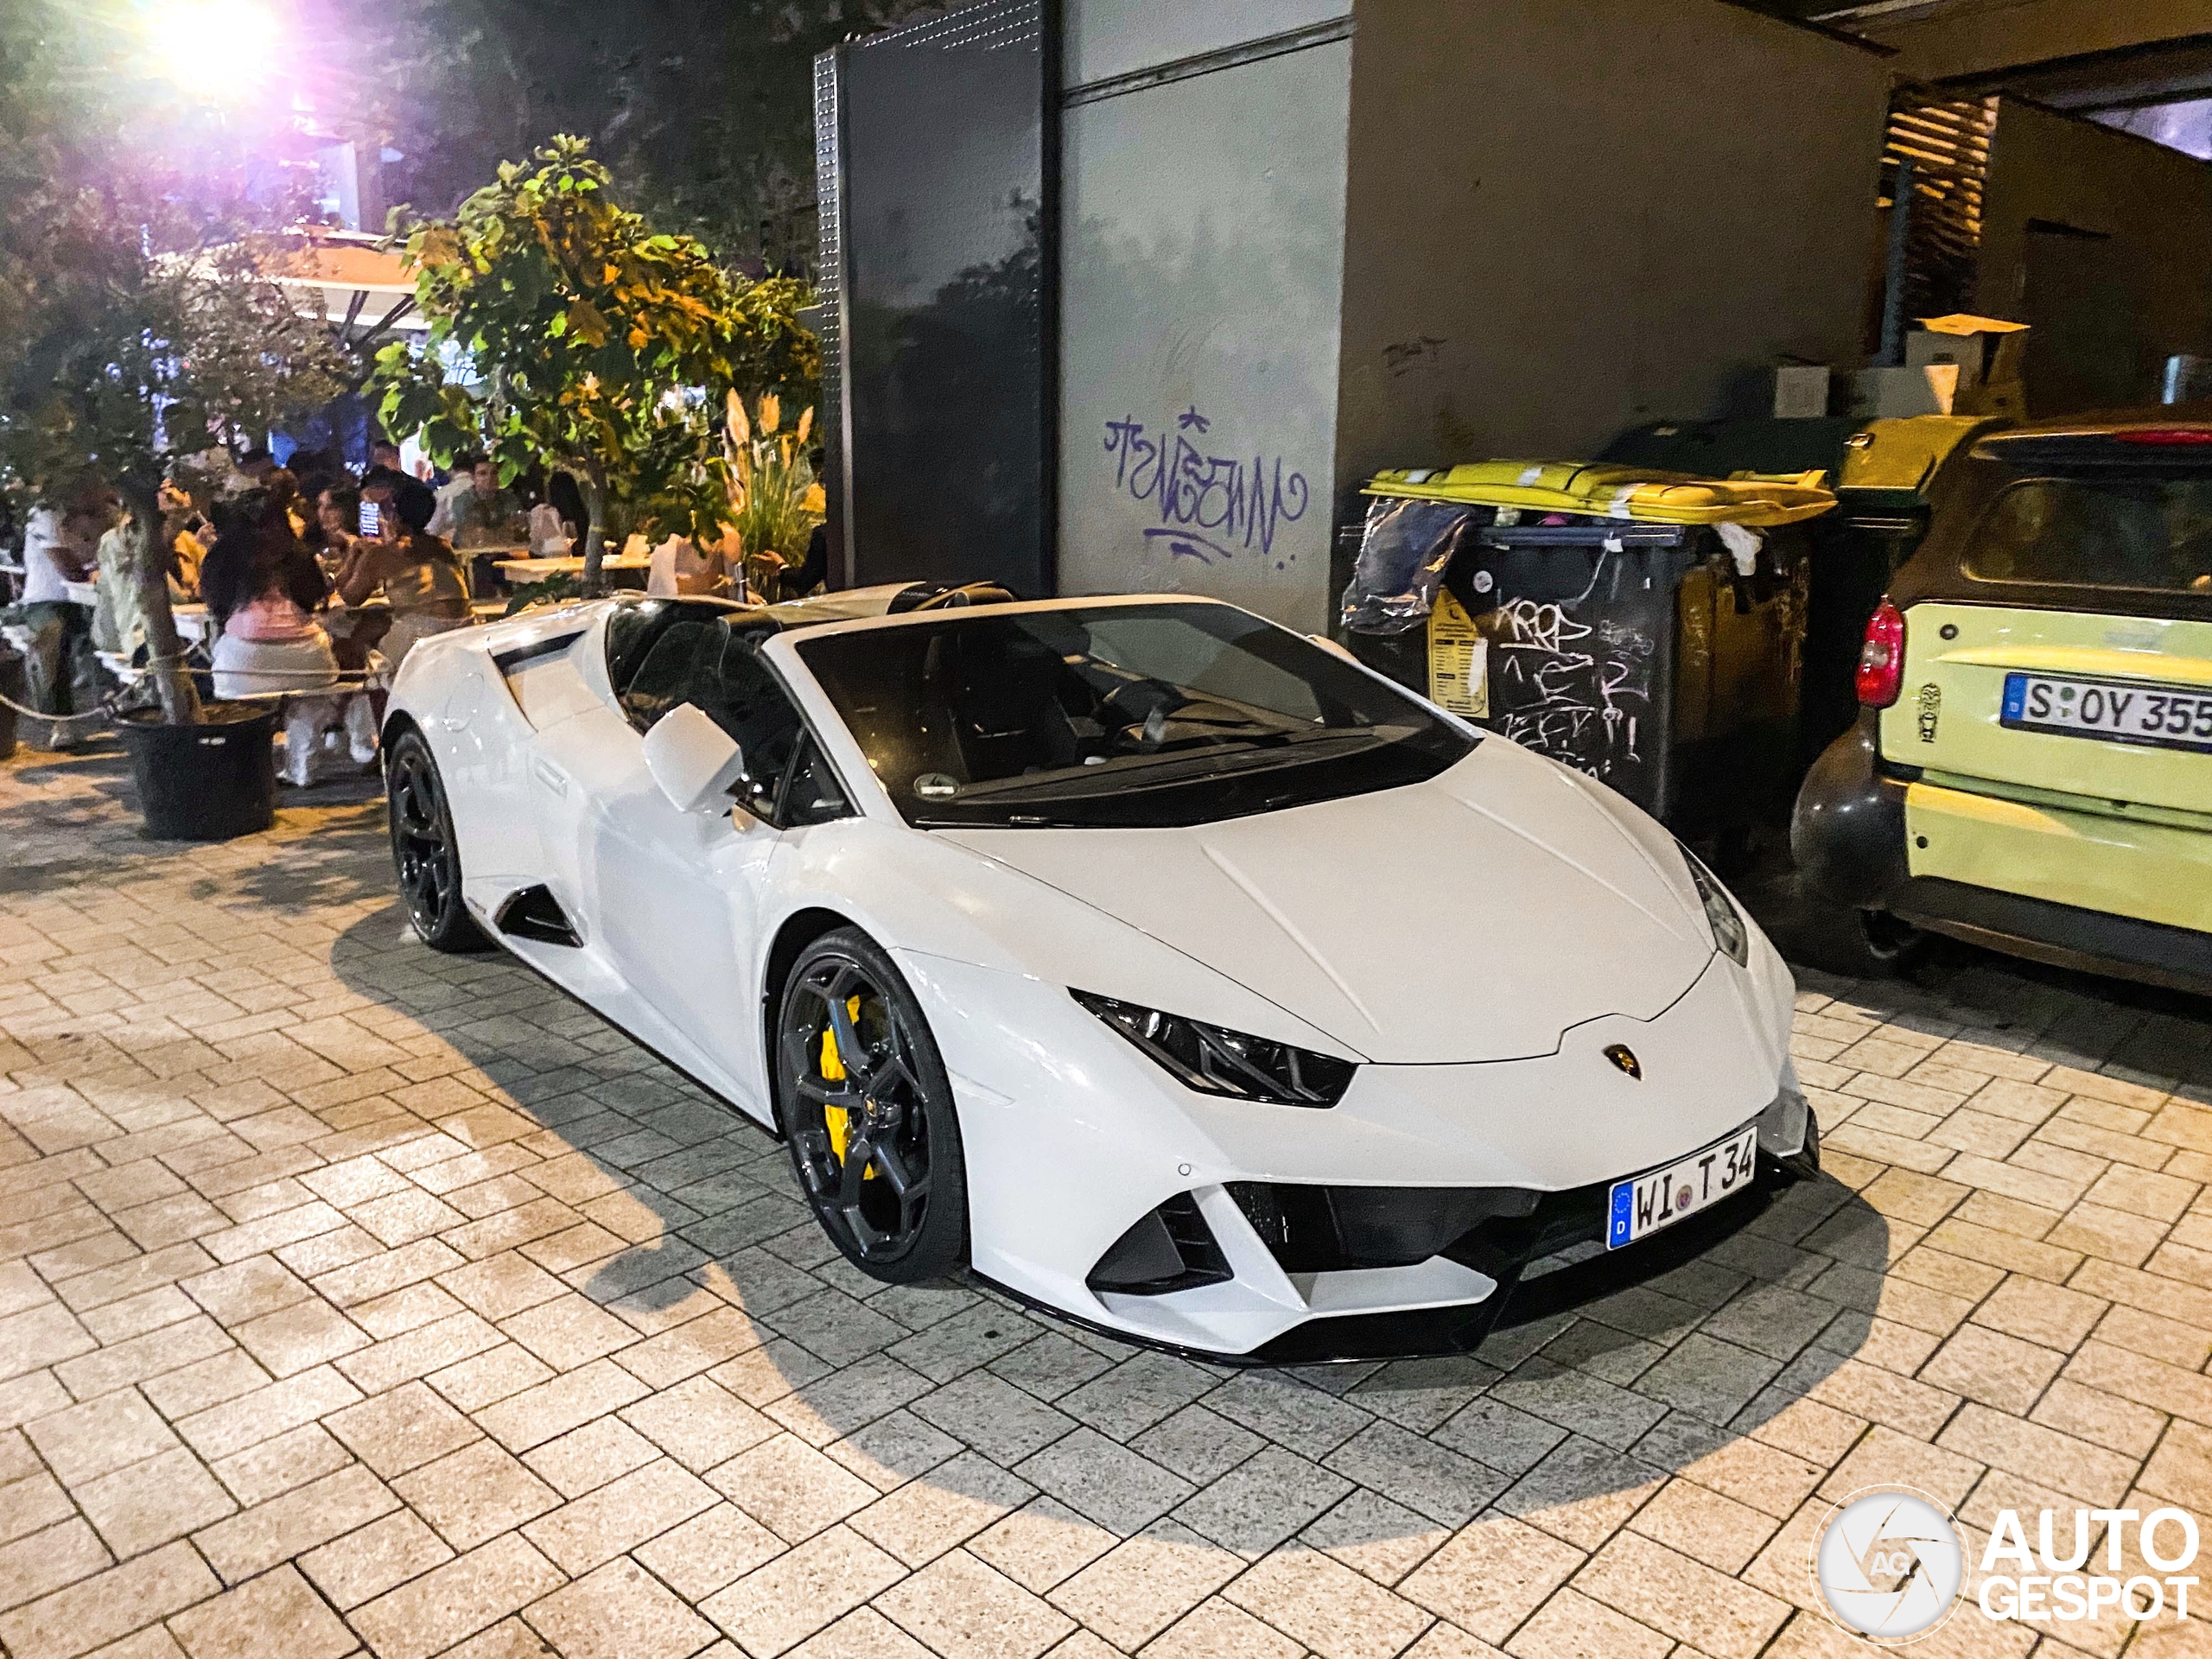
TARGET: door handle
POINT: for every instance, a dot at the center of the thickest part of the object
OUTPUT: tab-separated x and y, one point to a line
551	775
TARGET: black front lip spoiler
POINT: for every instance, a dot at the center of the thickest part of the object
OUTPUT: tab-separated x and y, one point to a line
1428	1333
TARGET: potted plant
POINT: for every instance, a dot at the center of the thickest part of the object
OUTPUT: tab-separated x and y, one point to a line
775	502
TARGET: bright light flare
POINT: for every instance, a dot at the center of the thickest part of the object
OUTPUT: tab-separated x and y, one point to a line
216	50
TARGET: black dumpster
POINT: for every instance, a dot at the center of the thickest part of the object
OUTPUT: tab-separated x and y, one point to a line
1884	472
1664	658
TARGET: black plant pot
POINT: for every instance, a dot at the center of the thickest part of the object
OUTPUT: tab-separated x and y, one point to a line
208	782
12	684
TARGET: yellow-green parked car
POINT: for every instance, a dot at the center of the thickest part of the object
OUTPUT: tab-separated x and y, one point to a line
2032	766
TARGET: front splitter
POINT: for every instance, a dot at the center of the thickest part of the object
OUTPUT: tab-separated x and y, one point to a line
1430	1332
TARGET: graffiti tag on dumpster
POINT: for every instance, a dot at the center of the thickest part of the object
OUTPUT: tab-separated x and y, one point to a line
1211	507
1576	692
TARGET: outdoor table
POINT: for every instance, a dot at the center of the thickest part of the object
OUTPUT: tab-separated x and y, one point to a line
527	571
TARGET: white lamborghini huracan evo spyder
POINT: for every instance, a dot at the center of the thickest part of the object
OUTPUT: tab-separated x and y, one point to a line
1165	967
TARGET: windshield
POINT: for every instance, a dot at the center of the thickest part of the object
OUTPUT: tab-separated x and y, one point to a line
1127	715
2145	533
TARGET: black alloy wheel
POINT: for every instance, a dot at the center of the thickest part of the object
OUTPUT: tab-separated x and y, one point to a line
424	851
866	1108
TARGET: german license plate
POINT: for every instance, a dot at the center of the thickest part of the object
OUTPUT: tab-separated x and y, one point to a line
1643	1203
2119	711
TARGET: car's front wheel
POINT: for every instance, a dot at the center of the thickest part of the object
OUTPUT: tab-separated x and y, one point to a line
865	1105
425	853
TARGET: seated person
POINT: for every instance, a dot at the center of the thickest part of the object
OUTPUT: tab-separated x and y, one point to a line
338	525
480	511
420	576
262	589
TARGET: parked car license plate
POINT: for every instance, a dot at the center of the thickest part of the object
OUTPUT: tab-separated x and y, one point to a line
2119	711
1644	1203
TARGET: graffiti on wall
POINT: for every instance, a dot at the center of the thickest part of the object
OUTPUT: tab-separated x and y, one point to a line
1211	507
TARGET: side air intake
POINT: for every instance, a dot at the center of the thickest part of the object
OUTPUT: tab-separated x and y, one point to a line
535	914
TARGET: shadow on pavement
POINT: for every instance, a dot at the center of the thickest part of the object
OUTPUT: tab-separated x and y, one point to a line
677	1198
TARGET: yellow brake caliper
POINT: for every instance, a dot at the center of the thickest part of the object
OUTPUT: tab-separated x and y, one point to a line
837	1118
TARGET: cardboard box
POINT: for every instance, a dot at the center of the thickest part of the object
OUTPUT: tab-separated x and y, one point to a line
1897	394
1801	392
1987	355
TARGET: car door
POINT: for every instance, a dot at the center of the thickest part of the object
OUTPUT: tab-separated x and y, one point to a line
671	900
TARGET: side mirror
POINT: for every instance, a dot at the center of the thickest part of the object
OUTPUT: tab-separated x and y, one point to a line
693	760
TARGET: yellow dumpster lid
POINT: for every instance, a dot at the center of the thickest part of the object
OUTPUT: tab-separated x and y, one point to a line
1617	492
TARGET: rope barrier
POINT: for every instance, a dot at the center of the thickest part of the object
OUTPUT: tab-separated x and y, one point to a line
347	679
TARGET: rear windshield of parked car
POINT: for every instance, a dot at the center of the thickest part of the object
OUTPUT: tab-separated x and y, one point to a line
2141	533
1126	715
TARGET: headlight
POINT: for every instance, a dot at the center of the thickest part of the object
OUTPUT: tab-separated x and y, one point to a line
1730	931
1217	1061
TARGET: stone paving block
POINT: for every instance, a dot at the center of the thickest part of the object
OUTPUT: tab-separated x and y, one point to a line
151	1502
1492	1575
45	1558
1143	1585
475	1493
958	1604
775	1607
451	1603
619	1611
621	1516
537	1414
276	1612
276	1465
39	1337
1995	1369
1682	1598
1042	1544
2006	1289
699	1423
300	1520
99	1610
374	1559
602	1450
714	1548
266	1411
791	1488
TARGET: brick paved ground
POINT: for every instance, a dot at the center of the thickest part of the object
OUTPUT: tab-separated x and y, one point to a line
355	1296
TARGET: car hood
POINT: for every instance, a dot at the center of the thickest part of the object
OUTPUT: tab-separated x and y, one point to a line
1475	917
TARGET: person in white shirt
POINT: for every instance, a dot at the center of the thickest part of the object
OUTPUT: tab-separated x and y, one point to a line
460	482
62	545
479	511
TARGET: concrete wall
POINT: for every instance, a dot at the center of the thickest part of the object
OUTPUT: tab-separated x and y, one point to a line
1566	219
1201	256
1106	38
2137	287
1971	40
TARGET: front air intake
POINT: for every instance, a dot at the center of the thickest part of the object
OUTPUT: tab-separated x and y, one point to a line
1339	1229
1168	1248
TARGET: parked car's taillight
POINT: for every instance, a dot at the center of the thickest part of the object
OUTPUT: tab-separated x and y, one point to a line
1881	659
